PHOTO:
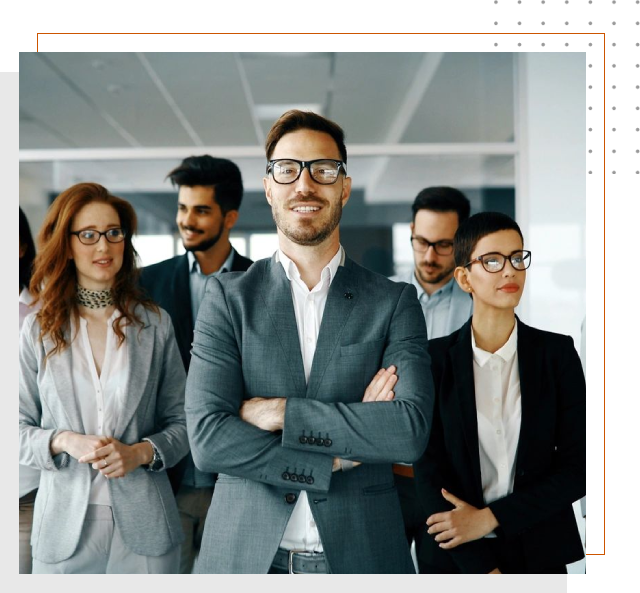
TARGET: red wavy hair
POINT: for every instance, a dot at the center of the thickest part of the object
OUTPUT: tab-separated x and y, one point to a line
54	279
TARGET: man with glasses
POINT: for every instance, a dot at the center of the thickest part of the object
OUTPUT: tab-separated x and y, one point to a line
209	196
292	394
437	213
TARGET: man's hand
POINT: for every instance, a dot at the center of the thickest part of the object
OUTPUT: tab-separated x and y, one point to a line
116	460
495	571
266	413
463	524
381	387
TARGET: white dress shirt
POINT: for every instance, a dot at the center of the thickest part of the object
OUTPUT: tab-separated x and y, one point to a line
100	398
301	532
497	387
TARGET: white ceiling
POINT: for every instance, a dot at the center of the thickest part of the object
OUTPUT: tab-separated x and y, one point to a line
144	112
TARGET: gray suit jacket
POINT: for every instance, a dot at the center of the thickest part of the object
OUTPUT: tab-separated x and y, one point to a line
246	345
143	505
460	310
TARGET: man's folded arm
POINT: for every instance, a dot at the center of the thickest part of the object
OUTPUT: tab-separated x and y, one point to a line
220	441
378	432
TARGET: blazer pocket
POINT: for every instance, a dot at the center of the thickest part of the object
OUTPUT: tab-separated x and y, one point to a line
379	489
362	348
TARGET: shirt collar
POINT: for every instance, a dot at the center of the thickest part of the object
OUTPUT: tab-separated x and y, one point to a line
194	266
442	291
506	352
328	272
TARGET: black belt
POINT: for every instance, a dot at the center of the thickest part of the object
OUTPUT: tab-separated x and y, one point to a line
295	562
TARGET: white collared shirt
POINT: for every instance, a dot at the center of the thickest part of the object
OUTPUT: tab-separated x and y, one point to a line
497	387
301	532
100	398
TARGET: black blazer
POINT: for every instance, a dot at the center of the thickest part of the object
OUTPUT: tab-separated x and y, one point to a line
167	283
537	517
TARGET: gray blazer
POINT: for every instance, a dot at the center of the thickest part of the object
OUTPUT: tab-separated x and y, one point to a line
246	345
143	505
460	309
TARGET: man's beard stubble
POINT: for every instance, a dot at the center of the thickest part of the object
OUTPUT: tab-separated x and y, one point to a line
433	280
205	244
308	234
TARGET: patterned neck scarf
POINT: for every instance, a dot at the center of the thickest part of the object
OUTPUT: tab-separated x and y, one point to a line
94	299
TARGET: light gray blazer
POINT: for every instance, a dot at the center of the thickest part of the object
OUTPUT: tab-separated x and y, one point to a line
460	309
143	504
246	345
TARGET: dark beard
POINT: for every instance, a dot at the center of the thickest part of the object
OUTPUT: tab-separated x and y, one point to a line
309	236
205	244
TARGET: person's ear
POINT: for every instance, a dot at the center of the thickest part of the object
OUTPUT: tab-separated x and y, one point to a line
346	190
230	219
462	278
266	183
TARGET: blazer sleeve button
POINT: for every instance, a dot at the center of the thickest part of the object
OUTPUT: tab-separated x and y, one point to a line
303	440
286	476
328	442
319	442
293	477
311	440
302	479
310	480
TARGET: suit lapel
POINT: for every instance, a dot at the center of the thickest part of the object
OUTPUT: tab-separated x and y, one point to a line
183	314
276	292
529	367
140	346
462	370
61	373
342	297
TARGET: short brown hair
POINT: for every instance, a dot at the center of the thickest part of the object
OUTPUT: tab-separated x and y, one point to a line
294	120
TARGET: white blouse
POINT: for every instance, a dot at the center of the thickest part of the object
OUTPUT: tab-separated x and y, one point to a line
497	388
100	398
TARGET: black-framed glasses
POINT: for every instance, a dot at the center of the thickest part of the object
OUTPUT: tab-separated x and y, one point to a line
91	237
495	262
323	171
421	245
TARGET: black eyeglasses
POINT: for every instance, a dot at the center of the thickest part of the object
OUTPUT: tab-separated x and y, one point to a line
91	237
422	245
495	262
323	171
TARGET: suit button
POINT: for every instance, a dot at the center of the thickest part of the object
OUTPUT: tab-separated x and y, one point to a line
311	440
286	476
293	477
310	480
302	478
328	442
303	440
320	442
290	498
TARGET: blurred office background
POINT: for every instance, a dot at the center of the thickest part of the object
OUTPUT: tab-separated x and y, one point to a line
507	129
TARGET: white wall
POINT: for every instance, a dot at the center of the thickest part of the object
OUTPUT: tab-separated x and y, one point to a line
551	195
551	187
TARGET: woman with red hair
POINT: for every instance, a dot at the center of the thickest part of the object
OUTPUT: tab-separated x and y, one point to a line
101	397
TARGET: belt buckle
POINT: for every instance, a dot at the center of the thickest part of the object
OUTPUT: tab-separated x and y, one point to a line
290	563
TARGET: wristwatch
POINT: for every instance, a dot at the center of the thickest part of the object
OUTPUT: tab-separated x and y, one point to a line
156	463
